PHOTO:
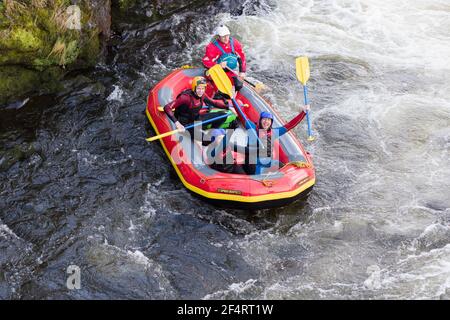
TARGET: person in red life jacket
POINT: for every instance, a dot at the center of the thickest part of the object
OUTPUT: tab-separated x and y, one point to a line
193	105
220	156
226	51
259	160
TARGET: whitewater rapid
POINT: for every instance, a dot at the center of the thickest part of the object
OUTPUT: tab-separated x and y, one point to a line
381	115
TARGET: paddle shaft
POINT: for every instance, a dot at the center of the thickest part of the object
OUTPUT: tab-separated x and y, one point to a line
250	83
188	127
305	95
161	135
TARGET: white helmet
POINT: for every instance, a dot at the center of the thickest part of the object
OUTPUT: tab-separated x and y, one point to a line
222	31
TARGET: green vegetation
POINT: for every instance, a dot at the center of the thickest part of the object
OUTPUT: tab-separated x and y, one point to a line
34	37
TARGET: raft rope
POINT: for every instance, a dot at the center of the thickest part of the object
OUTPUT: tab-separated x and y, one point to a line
299	164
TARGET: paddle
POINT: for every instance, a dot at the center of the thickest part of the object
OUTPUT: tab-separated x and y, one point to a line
258	87
223	83
302	70
188	127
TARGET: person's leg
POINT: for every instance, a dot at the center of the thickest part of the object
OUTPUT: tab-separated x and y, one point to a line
233	124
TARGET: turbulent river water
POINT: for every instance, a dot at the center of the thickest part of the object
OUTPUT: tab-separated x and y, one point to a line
87	190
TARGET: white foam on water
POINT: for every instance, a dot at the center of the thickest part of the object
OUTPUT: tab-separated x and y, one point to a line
383	36
234	290
138	257
422	276
92	160
6	231
116	94
148	207
434	235
377	31
374	279
132	227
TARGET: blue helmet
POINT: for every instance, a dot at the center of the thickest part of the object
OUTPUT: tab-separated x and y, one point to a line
266	114
217	133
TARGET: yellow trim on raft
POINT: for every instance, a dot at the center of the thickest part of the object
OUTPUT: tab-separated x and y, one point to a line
230	197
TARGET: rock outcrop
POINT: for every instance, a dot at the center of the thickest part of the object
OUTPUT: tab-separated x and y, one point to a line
40	40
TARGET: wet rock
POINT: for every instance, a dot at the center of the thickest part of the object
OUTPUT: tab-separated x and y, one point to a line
73	84
89	92
129	12
165	7
101	17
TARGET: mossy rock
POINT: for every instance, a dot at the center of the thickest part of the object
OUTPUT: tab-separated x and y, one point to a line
22	40
35	37
37	46
17	82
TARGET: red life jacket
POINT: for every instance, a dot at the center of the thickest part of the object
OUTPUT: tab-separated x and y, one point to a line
192	111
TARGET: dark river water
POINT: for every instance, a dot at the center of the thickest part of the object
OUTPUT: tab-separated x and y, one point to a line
80	186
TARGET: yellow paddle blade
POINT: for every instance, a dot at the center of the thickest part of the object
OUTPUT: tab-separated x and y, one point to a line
221	80
302	69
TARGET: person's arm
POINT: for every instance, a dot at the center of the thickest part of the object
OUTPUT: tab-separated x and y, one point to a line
291	124
183	99
211	56
168	111
241	54
215	103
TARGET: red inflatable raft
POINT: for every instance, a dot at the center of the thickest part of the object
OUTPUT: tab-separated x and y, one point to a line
294	180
